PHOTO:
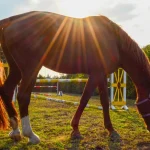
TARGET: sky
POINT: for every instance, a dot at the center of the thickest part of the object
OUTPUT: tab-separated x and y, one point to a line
132	15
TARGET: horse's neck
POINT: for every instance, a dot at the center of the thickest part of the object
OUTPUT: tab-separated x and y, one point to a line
137	66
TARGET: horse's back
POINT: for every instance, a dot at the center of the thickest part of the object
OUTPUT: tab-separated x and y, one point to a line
64	44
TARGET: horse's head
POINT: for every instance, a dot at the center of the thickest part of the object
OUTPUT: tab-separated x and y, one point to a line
144	109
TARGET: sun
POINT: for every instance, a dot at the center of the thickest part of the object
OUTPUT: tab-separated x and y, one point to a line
78	8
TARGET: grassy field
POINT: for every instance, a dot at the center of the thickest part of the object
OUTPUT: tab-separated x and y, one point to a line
51	121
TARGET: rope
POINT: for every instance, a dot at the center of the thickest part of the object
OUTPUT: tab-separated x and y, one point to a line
39	96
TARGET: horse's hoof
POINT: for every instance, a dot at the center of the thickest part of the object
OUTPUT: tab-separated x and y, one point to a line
15	135
115	137
76	135
98	148
34	139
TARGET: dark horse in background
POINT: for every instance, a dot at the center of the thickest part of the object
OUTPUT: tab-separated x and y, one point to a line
94	45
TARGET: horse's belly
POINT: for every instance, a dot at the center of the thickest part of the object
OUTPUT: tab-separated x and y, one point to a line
67	67
71	65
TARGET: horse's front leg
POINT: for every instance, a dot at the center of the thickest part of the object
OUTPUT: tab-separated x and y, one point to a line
27	130
89	89
104	97
23	96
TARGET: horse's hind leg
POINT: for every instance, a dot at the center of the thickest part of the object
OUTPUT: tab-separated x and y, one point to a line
24	94
7	94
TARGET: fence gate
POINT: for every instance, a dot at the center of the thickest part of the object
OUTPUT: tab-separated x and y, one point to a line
118	89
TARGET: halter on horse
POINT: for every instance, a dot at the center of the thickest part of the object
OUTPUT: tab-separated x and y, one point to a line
94	45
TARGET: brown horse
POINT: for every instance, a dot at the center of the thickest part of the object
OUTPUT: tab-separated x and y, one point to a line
94	45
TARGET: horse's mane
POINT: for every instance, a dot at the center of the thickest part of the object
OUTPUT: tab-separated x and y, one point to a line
134	57
130	47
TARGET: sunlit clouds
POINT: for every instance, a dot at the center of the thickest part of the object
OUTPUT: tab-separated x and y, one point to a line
132	16
79	8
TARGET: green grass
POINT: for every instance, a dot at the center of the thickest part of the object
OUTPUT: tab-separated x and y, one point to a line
51	121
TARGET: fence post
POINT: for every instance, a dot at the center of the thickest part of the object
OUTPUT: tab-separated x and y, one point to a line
57	88
112	91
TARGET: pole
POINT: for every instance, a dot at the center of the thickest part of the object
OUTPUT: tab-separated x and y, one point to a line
57	88
112	91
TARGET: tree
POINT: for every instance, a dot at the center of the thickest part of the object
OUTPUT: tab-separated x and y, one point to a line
131	92
40	77
146	49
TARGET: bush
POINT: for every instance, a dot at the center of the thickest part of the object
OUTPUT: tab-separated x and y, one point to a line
131	91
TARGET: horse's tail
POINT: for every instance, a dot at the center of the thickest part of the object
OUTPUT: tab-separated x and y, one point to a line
3	115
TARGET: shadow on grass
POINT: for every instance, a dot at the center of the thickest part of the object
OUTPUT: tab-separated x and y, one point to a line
9	144
114	141
73	144
143	146
114	145
76	145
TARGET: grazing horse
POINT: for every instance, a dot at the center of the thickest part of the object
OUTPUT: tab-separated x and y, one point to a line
93	45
